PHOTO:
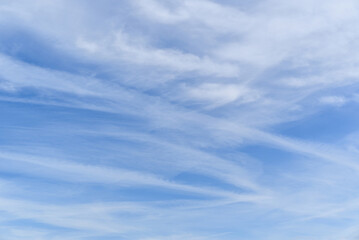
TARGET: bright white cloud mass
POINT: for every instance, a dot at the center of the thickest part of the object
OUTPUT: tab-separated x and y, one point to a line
179	120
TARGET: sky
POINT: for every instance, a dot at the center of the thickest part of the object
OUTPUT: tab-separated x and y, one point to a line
179	120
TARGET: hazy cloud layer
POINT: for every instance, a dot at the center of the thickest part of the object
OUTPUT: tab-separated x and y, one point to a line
193	119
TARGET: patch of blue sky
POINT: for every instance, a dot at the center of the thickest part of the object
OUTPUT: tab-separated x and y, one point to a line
340	120
28	47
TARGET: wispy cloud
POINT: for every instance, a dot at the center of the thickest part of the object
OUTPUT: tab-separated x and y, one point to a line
185	119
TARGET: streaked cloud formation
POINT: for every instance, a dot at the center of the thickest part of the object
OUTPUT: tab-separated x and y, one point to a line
192	119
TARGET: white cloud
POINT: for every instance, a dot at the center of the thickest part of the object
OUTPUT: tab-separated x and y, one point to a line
129	49
337	101
215	94
76	172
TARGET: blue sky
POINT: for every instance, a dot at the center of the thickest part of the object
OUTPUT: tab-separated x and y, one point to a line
181	119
